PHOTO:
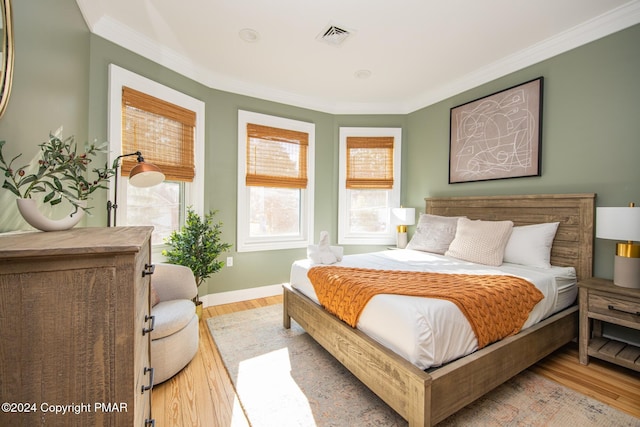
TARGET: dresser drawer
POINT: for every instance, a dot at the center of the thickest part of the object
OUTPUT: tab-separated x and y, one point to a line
626	310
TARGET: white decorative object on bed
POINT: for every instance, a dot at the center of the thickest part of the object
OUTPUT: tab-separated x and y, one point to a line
426	398
323	252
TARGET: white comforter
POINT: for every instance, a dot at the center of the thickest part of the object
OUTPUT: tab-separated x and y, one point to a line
430	332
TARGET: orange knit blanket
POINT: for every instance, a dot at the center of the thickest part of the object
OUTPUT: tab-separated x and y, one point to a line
495	306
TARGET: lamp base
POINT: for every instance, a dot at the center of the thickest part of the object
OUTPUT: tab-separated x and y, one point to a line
626	272
401	241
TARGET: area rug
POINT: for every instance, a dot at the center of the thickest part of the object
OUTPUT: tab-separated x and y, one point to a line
284	378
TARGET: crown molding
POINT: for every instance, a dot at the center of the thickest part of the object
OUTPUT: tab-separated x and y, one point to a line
126	37
615	20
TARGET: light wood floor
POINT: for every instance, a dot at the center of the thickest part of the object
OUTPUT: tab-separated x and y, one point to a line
202	393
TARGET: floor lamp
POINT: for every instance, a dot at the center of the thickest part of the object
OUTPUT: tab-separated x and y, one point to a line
142	175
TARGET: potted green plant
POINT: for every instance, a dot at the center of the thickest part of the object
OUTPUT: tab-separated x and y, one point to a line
60	173
197	245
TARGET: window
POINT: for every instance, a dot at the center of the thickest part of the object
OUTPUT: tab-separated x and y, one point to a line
167	127
369	184
161	130
275	182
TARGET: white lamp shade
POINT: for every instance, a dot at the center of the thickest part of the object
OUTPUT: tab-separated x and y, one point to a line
403	216
145	175
619	223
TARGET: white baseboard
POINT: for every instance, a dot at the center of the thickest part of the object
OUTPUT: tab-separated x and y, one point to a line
241	295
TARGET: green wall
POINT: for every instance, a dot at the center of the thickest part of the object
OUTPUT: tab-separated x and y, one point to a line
250	269
590	129
50	84
590	137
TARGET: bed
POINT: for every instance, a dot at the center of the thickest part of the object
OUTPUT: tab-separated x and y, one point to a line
426	397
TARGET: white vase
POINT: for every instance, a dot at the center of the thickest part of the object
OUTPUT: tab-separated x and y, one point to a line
29	211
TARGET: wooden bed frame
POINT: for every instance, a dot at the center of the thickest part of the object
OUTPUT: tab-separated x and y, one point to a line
426	398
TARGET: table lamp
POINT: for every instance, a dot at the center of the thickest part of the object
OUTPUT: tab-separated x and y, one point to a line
402	217
622	223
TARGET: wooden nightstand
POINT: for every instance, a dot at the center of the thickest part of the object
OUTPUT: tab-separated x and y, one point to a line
602	301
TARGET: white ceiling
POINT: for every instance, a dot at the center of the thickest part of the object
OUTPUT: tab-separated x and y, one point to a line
418	52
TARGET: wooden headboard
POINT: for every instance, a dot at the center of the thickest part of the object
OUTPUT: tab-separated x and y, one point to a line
573	244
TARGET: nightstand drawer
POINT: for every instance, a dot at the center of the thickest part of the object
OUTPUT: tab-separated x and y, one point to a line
615	308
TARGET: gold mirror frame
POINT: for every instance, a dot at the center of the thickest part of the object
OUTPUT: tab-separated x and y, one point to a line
6	53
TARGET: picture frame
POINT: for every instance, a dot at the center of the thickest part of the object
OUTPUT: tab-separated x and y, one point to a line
498	136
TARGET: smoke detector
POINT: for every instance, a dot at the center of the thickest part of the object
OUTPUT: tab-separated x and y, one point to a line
249	35
334	35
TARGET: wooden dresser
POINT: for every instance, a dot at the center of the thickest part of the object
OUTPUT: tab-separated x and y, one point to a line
74	320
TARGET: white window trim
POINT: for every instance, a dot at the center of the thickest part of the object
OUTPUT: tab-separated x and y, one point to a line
119	77
245	242
345	237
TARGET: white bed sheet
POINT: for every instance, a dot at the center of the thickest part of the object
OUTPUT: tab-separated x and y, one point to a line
430	332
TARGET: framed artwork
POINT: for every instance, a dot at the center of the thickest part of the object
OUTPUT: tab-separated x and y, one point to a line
498	136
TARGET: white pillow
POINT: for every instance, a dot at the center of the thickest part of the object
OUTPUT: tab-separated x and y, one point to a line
531	245
434	233
480	241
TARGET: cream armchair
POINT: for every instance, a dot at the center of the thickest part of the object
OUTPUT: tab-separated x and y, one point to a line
174	339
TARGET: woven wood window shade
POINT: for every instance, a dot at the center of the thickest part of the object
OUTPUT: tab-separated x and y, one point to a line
369	162
276	157
163	132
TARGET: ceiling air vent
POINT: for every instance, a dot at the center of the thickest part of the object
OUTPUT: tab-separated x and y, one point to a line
334	35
